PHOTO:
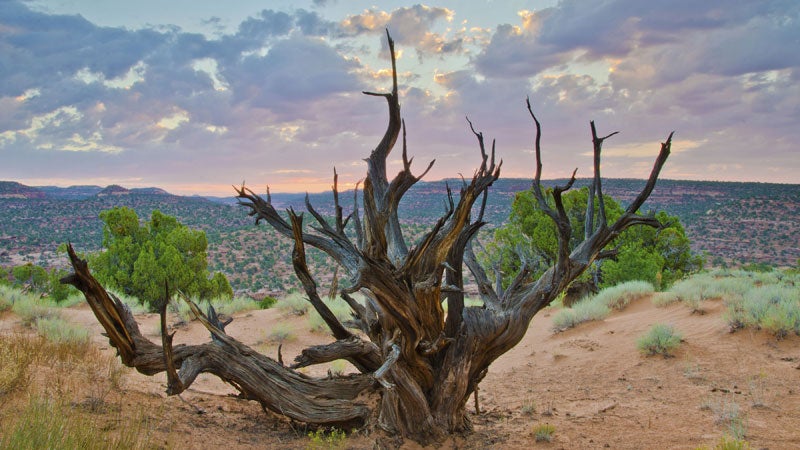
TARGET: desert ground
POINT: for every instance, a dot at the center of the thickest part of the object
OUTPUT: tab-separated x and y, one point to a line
590	382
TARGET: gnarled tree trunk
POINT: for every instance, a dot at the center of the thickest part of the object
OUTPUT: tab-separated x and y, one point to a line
420	362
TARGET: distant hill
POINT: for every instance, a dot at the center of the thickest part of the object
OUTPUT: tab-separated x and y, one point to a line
12	189
113	190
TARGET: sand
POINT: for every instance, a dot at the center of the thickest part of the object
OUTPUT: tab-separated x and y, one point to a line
590	382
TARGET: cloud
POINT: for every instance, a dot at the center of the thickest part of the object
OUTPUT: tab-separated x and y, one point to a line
294	71
409	26
281	92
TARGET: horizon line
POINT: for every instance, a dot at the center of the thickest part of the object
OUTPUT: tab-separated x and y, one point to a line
292	192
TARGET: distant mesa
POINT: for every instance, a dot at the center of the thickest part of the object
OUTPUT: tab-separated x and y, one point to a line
116	190
149	191
12	189
113	190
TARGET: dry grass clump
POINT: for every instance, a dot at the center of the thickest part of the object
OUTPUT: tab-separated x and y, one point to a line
584	311
226	307
598	306
30	307
762	300
775	308
660	340
56	329
294	303
544	432
281	332
50	390
619	296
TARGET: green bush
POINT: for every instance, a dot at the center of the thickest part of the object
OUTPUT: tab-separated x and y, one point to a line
660	340
143	260
267	302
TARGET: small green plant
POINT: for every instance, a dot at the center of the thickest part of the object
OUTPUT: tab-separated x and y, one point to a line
267	302
528	407
337	368
731	443
544	432
660	340
333	439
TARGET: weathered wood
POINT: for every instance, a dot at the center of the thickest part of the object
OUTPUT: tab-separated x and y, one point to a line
257	377
418	363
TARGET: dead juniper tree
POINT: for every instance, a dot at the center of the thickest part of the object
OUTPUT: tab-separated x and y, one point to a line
419	363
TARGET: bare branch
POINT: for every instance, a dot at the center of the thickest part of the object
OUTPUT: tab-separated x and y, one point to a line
651	180
310	286
350	349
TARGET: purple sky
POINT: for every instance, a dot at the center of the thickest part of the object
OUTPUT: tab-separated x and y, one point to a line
194	96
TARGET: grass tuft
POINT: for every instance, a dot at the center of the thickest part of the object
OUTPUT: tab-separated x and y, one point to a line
329	440
281	332
58	330
294	303
584	311
30	308
660	340
544	432
619	296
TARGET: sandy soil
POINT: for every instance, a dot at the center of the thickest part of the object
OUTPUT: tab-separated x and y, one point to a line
590	382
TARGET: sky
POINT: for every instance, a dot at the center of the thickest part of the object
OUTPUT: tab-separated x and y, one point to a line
195	96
